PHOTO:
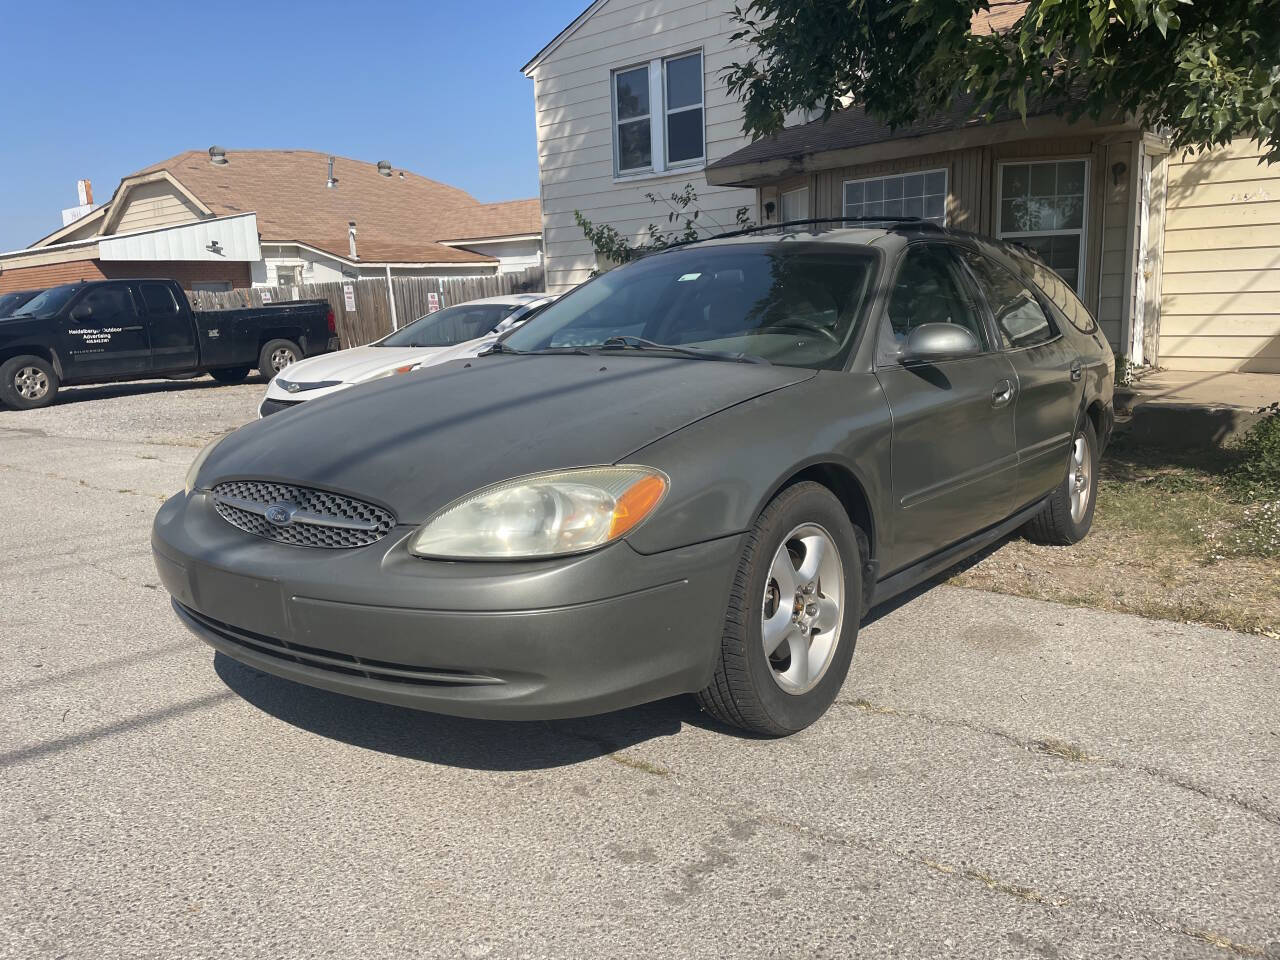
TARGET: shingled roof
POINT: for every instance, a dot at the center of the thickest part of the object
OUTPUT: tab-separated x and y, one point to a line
404	218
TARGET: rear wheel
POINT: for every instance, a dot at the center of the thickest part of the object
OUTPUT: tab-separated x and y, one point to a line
792	617
1068	515
28	382
230	374
276	355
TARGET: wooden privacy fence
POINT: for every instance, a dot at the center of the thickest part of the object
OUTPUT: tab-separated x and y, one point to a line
371	318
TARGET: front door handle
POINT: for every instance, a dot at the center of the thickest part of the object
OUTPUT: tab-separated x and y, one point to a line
1076	371
1002	394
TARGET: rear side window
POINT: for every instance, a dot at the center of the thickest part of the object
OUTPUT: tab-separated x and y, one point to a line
1020	319
158	298
1059	291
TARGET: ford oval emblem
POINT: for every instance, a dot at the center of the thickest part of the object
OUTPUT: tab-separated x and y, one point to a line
279	514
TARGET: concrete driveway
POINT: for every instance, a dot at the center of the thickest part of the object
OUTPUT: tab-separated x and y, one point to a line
1001	777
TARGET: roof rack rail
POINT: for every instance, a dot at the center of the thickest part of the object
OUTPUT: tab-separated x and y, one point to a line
759	228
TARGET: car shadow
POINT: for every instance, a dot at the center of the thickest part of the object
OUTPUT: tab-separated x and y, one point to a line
138	388
455	741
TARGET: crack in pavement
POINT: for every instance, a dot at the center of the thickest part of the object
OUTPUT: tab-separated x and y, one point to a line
1049	746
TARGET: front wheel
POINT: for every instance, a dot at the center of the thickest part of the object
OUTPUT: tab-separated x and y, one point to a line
792	617
276	355
1068	515
28	382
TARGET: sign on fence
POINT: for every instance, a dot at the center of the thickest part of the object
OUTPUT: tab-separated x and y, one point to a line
433	302
266	295
349	297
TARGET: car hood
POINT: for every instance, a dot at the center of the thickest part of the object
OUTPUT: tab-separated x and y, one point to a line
356	364
415	443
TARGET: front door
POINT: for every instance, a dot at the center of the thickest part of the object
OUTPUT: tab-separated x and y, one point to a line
954	458
103	336
173	337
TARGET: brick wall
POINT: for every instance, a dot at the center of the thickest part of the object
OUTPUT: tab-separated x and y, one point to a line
186	272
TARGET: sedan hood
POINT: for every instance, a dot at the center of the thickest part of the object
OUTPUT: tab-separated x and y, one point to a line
416	442
356	364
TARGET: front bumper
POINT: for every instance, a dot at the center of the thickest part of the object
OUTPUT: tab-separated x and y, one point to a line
529	640
278	399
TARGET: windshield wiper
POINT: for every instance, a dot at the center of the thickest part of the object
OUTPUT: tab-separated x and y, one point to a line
640	343
501	347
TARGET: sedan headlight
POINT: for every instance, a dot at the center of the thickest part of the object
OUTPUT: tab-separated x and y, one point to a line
198	462
545	515
393	372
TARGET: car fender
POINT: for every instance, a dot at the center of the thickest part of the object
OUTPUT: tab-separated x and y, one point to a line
724	469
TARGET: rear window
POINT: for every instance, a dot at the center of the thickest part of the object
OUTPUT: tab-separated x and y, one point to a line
1020	318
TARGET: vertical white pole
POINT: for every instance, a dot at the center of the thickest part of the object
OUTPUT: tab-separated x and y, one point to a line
391	297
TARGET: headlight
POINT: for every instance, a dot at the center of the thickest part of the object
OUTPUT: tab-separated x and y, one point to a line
198	462
545	515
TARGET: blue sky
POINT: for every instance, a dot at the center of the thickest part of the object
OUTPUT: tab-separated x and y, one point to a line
99	90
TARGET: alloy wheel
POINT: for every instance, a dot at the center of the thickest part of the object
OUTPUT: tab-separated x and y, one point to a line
803	608
1080	478
281	357
31	383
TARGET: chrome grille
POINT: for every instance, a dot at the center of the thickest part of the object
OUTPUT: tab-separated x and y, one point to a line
300	515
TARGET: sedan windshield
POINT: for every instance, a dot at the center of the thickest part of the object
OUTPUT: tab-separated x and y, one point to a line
48	303
10	302
796	304
450	326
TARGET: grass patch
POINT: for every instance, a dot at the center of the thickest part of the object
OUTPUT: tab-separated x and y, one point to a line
1192	536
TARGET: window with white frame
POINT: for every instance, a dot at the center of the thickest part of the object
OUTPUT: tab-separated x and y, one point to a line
795	206
921	195
658	115
1043	207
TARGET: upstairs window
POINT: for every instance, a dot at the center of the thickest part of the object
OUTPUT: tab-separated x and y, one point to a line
684	108
632	143
658	115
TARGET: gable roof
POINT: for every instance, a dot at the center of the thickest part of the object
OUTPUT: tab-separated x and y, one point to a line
562	36
403	218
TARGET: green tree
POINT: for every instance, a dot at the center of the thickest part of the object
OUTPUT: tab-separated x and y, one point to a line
685	223
1204	71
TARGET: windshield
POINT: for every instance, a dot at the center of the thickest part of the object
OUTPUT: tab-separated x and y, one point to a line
9	302
796	304
48	303
450	326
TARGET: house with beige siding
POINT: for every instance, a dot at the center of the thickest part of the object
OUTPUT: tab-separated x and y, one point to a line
630	101
1177	255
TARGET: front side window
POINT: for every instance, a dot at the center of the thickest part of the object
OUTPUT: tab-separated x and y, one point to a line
1019	317
684	108
632	142
450	326
1043	208
922	195
795	305
930	288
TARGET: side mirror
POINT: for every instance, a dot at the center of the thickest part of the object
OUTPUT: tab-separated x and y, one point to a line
934	342
82	311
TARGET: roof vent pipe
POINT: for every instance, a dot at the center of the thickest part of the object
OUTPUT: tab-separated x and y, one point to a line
351	239
332	181
217	155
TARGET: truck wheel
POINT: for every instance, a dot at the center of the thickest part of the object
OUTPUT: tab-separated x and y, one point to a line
230	374
277	355
792	616
1068	515
28	382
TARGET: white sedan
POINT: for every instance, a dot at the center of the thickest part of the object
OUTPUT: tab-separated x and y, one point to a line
458	331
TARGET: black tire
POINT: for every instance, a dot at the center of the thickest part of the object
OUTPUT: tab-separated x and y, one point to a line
743	691
230	374
28	382
1054	525
266	365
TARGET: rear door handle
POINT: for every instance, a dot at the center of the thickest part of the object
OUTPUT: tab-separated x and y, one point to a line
1002	394
1075	371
